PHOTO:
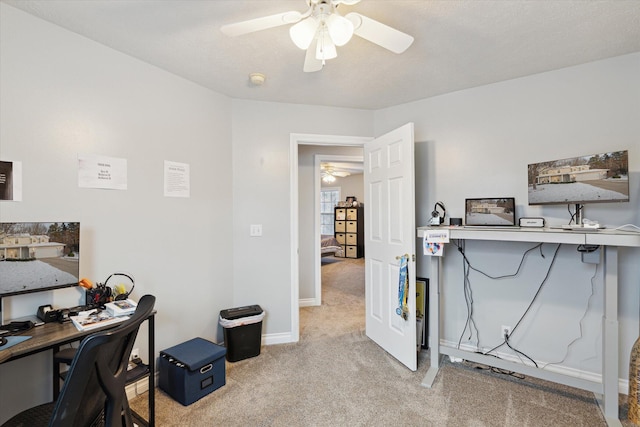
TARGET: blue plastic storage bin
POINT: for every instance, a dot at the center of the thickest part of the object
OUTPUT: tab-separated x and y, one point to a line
191	370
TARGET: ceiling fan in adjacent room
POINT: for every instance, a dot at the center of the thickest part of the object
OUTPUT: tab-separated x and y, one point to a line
329	173
321	28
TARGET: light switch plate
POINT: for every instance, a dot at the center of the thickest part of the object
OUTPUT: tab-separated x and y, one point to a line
255	230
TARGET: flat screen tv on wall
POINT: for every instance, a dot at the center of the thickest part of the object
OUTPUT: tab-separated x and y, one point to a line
38	256
595	178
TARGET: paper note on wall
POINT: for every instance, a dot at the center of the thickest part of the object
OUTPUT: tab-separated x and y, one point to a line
102	172
177	181
433	249
434	240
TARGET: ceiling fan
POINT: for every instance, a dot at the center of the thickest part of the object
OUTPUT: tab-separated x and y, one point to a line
321	28
329	173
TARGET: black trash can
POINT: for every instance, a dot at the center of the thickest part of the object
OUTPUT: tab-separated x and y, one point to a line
242	331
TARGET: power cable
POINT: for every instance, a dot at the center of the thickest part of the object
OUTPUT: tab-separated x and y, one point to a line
584	315
535	297
467	290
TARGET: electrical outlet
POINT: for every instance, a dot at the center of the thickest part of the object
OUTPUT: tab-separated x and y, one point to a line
505	330
135	354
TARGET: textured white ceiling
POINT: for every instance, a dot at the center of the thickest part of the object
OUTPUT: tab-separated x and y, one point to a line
353	168
458	44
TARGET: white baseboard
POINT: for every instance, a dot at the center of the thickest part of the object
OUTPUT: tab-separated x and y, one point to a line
281	338
623	385
308	302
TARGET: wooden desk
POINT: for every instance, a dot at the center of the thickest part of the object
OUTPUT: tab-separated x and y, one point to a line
51	336
610	240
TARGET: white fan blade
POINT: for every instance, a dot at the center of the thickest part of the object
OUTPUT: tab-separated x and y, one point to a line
258	24
379	33
341	174
311	63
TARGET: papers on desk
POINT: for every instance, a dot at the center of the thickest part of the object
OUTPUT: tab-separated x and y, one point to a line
93	319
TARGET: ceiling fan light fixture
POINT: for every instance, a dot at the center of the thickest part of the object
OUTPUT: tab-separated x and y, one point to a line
303	33
321	28
311	63
355	20
329	179
340	29
325	48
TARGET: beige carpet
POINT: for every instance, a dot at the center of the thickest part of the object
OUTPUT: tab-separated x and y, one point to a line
336	376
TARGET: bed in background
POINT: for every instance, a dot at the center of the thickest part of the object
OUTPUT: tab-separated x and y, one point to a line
330	246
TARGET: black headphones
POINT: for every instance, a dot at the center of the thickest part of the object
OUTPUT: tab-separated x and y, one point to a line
436	218
126	294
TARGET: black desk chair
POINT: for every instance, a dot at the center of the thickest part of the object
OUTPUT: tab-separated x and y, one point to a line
93	392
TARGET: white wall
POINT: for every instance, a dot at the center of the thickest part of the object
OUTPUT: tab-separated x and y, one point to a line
352	185
261	188
478	143
62	95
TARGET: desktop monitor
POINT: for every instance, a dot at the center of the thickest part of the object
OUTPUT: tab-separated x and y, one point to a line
38	256
595	178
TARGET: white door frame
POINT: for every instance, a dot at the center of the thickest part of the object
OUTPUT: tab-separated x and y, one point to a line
296	139
317	187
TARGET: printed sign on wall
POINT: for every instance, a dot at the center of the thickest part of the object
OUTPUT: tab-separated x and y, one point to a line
176	179
102	172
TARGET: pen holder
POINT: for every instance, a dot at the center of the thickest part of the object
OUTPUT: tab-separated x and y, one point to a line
98	296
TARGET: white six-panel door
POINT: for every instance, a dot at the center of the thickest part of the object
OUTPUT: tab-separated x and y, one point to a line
390	233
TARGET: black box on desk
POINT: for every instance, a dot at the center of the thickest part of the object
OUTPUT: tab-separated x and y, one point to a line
191	370
242	331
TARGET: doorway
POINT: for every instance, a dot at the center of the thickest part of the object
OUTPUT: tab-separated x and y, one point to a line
389	180
350	189
306	250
